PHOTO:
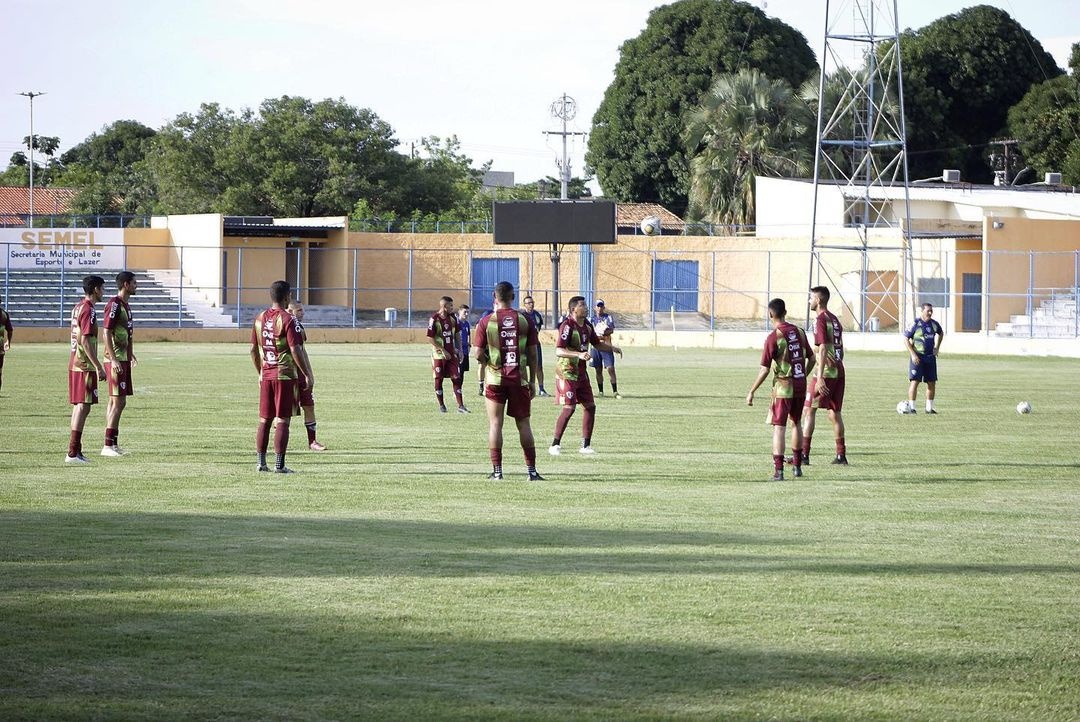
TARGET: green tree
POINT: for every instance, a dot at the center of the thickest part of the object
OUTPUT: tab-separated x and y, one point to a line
962	73
636	146
187	160
109	172
1046	121
747	125
18	171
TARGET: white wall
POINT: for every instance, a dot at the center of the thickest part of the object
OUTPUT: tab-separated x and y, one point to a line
199	239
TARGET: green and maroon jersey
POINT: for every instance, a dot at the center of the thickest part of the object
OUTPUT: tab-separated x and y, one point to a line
118	320
828	331
83	323
575	337
444	329
274	332
507	335
786	352
5	329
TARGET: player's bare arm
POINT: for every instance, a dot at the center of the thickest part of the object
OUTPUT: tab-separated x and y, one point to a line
763	373
256	359
822	360
84	342
911	351
299	353
531	351
606	345
111	353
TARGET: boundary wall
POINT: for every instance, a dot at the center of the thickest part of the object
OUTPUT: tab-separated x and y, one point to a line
975	344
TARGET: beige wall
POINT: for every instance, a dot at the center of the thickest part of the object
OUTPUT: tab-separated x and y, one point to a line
1009	271
199	238
150	248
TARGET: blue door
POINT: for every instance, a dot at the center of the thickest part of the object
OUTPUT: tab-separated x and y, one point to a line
486	272
675	283
971	302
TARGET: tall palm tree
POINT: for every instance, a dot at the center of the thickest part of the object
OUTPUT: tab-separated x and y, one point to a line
747	125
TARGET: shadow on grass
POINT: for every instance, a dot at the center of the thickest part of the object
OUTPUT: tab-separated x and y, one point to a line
101	550
109	658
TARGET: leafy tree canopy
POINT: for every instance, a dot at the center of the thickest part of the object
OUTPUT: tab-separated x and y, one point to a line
962	73
108	170
1046	122
636	143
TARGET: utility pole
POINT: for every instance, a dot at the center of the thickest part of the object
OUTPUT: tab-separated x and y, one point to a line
31	95
999	163
564	108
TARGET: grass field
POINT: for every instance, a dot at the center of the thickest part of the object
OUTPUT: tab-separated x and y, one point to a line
937	577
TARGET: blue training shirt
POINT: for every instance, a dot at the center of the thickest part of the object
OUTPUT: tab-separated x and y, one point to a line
922	335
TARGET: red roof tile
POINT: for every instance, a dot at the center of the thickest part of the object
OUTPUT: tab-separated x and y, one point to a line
15	202
632	214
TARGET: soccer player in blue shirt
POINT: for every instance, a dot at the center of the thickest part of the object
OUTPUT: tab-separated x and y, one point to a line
923	341
537	318
604	324
465	329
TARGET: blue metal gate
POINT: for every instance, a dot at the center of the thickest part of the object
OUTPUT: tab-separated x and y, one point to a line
971	302
675	283
486	272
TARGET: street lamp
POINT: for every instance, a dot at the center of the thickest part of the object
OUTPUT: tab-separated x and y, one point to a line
31	95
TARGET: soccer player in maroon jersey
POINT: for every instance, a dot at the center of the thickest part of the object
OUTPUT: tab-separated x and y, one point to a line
307	397
84	370
786	355
572	387
119	358
6	332
442	332
277	350
505	342
826	389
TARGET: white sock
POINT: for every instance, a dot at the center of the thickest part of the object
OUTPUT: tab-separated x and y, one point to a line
929	404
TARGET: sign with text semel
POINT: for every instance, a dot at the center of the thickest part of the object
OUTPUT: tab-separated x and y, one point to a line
544	222
74	249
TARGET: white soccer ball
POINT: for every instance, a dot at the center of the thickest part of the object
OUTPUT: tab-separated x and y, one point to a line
650	226
1024	407
901	408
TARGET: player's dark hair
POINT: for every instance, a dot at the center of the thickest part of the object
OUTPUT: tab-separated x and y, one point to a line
447	299
504	291
822	293
527	298
279	291
777	308
574	300
927	305
91	282
464	307
124	277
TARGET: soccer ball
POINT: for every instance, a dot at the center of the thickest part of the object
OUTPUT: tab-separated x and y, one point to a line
650	226
901	408
1024	407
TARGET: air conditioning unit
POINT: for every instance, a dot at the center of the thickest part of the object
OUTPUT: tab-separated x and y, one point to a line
1052	179
950	175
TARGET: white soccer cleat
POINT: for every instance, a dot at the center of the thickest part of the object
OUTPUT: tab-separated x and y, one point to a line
554	450
111	451
80	459
587	450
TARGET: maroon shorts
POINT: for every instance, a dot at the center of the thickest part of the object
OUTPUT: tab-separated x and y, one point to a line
833	402
784	409
517	398
568	393
121	386
306	397
82	387
445	368
277	399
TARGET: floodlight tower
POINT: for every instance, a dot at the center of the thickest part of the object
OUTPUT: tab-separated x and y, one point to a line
861	152
564	108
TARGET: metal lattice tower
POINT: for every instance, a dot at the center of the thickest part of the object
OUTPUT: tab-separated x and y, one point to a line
861	149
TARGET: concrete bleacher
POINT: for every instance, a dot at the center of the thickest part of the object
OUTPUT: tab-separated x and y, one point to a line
1055	317
36	297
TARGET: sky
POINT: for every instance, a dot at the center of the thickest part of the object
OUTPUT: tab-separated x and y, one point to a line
487	71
